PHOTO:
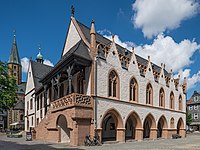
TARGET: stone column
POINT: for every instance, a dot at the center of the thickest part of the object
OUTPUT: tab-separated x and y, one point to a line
45	98
99	133
182	132
69	70
153	133
165	133
139	134
52	90
121	134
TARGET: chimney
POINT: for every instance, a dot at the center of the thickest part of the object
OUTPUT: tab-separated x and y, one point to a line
92	36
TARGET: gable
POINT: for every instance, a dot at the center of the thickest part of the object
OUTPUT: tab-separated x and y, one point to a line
73	37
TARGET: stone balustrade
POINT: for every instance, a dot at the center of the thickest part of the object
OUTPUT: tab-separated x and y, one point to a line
72	100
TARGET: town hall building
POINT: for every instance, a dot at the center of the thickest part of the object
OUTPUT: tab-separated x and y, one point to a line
99	87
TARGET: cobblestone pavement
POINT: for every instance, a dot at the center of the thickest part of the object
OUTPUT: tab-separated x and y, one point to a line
191	142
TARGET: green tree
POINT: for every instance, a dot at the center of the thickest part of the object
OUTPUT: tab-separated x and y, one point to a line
8	88
188	118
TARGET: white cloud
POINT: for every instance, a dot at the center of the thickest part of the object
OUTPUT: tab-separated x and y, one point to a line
25	63
165	50
157	16
191	81
48	62
104	32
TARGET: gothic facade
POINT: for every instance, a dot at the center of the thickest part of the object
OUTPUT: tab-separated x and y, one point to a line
99	87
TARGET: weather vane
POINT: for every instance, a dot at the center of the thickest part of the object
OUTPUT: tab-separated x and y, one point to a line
14	31
72	8
39	48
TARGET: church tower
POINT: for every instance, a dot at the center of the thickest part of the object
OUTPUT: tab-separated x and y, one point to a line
14	63
39	57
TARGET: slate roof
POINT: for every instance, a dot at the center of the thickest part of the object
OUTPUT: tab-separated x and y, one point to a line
14	55
19	105
121	50
21	88
39	71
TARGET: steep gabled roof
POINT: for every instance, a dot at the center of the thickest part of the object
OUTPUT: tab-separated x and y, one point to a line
121	50
39	71
14	55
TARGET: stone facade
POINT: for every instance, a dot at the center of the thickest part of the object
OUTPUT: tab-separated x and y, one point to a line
91	91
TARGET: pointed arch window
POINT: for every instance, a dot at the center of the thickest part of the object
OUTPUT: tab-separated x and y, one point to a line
172	100
172	123
162	98
133	90
149	94
180	103
113	84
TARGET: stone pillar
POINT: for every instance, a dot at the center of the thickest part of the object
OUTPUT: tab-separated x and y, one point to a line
121	134
182	132
153	133
139	134
52	90
170	132
70	84
99	133
165	133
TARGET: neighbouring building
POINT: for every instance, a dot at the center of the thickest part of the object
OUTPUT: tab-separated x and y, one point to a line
15	118
193	108
99	87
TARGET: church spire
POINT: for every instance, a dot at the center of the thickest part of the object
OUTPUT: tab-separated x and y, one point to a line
14	55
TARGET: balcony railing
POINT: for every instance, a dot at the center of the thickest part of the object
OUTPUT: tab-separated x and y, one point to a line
72	100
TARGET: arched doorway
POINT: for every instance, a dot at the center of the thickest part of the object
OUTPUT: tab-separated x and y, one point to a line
132	124
110	123
180	125
64	132
149	124
162	124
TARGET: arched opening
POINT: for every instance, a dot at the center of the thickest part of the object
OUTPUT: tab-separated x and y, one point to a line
162	124
148	125
113	84
133	122
133	90
180	125
180	103
110	123
162	98
149	94
172	100
172	123
64	132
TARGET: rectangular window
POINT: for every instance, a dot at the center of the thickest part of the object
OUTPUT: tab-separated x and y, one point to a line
190	107
31	103
195	107
38	103
195	99
195	116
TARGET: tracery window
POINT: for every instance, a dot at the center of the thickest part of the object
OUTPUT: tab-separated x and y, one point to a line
162	98
180	103
172	100
80	83
133	90
113	84
149	94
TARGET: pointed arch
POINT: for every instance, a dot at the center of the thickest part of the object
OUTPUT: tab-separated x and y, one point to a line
110	123
180	127
133	90
180	103
172	123
113	84
171	100
149	94
162	98
149	124
133	123
161	127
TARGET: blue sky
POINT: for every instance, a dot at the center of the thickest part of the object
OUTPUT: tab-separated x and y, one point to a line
168	31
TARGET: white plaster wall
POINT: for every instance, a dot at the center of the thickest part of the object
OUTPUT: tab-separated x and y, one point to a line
72	38
112	62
